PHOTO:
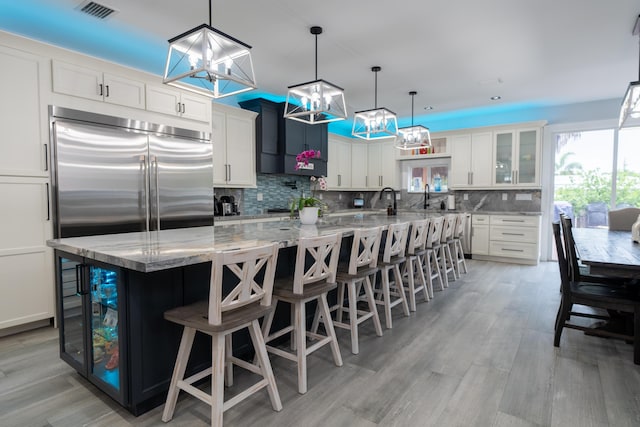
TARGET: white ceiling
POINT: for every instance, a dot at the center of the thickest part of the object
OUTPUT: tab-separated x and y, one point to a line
455	53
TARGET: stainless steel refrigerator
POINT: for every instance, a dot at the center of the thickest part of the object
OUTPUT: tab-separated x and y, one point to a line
114	175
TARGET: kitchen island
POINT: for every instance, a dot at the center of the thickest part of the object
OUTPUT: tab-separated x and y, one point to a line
114	289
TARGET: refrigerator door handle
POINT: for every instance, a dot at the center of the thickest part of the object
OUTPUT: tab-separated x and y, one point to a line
145	174
157	184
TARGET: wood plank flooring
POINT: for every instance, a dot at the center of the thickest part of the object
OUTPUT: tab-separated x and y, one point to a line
479	354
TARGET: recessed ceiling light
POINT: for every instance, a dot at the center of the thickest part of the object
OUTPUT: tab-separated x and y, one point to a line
495	98
428	108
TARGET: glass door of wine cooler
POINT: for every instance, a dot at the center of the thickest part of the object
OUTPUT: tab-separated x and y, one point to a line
105	338
71	313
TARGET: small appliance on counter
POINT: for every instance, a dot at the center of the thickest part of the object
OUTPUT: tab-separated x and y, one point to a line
227	206
358	202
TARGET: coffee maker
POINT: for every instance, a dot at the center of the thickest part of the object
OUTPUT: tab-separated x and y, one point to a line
227	206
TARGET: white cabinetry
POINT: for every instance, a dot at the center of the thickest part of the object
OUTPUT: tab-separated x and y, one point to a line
165	100
339	164
234	147
480	234
93	84
516	154
381	165
27	285
359	166
23	146
471	160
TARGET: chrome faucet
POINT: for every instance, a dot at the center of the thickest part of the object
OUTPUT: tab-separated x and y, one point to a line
425	204
395	206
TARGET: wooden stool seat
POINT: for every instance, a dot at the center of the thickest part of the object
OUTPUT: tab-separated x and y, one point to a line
283	289
197	316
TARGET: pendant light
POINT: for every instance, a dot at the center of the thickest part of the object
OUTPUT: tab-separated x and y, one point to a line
378	123
414	136
209	62
630	110
315	102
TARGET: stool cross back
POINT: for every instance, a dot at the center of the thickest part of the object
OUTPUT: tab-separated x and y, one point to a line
414	266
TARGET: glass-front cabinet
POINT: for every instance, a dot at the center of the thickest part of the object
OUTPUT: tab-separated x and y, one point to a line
516	157
90	313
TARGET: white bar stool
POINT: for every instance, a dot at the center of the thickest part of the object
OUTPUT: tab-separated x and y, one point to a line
413	267
308	284
457	250
219	317
431	265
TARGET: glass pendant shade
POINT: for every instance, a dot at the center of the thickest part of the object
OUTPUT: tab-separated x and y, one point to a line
630	111
413	137
378	123
209	62
315	102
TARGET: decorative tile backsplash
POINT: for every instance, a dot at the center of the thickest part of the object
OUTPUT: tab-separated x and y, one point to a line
278	191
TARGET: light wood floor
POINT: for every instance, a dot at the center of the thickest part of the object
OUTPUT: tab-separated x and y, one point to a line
480	354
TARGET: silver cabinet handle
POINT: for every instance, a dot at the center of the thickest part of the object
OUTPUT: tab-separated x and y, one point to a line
339	180
512	250
46	157
101	89
512	234
471	177
366	181
107	91
229	172
178	108
517	176
513	220
184	108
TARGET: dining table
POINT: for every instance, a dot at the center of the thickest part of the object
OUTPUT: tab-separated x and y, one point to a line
608	253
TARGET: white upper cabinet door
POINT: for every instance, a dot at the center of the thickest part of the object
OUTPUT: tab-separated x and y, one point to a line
344	165
23	146
388	165
93	84
359	165
122	91
374	166
527	171
196	107
219	141
339	165
163	99
481	159
241	150
460	174
72	80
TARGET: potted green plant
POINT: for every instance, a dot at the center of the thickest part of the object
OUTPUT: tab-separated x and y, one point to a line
308	207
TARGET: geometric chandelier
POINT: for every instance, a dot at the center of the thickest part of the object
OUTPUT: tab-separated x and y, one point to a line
315	102
377	123
209	62
414	136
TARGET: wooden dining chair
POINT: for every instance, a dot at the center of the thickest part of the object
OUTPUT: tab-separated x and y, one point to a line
252	272
595	295
314	276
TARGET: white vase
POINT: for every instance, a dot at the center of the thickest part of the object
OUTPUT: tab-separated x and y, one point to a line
308	215
635	231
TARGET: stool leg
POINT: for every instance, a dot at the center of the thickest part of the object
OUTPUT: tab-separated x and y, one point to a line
228	351
335	348
386	297
408	267
299	332
353	316
178	372
217	378
368	289
423	280
398	283
265	365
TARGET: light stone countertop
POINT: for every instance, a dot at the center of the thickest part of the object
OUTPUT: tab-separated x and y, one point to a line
160	250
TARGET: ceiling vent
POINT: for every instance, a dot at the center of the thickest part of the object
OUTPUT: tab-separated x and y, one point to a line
95	9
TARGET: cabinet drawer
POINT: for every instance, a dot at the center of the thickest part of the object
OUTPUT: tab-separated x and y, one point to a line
480	219
514	234
520	221
513	250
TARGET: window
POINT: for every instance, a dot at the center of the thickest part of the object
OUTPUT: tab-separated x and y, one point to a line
418	173
627	189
